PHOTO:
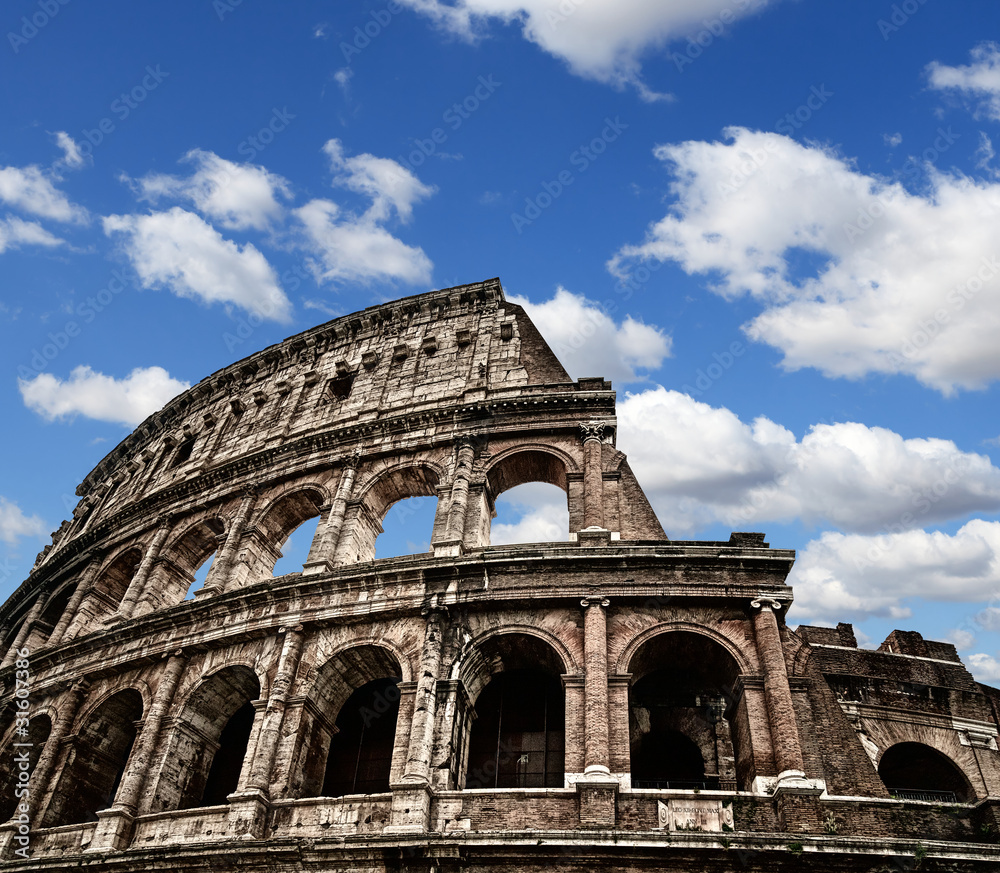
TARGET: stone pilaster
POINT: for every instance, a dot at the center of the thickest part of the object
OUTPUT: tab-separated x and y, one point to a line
141	577
321	553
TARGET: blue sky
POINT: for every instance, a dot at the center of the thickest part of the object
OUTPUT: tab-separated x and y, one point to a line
773	224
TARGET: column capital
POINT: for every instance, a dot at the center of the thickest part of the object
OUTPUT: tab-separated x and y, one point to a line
595	601
766	604
594	430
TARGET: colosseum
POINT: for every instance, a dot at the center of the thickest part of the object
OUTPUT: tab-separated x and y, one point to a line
615	699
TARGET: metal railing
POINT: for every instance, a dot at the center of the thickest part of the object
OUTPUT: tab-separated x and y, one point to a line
922	794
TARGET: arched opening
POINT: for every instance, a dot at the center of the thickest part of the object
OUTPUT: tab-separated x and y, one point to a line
224	774
525	500
53	611
360	755
914	771
14	780
681	710
286	533
406	528
535	512
97	762
348	728
177	577
111	585
517	739
208	747
368	514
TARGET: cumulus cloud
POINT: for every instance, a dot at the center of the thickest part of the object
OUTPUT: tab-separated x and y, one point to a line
122	401
348	249
391	187
599	39
179	251
588	342
15	232
856	274
984	667
701	464
32	190
237	196
537	513
978	81
14	524
859	576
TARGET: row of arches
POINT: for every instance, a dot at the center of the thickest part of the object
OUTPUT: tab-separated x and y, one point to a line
404	508
350	731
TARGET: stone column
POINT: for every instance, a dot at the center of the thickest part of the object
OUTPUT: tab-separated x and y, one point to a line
114	827
777	692
141	577
597	789
82	590
593	483
270	734
595	654
411	801
250	805
328	534
22	634
218	576
67	709
455	533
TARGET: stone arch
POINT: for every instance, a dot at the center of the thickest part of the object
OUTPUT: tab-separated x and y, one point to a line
363	522
112	582
205	754
97	758
55	606
683	692
179	561
469	663
730	645
517	738
358	681
918	771
281	517
521	465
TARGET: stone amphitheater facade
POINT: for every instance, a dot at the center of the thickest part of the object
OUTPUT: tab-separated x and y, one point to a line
616	699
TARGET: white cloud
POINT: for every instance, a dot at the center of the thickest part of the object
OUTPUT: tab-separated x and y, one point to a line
72	157
14	524
979	80
988	618
984	667
962	639
237	196
389	185
892	139
541	515
353	249
856	275
700	464
343	78
15	232
858	576
598	39
29	189
178	250
126	401
589	343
